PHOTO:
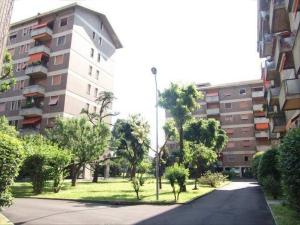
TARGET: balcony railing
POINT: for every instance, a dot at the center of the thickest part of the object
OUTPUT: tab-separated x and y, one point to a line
287	74
272	96
34	90
214	111
262	134
32	110
289	98
258	107
277	123
271	110
39	48
210	99
261	120
257	94
37	69
284	46
271	71
266	46
279	21
42	33
263	148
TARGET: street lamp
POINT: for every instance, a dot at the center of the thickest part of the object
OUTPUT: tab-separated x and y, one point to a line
154	72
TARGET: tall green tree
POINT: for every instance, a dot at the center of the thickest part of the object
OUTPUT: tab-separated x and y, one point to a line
104	100
80	137
7	76
181	102
131	140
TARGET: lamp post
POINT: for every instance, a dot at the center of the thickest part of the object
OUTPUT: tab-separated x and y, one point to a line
154	72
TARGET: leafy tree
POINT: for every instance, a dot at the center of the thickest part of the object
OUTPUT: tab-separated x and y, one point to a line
177	174
11	153
6	128
131	141
289	160
83	140
180	102
255	163
7	77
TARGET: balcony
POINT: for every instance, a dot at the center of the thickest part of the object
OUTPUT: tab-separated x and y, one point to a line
42	32
277	123
262	134
289	4
283	56
214	111
37	69
287	74
266	46
257	94
273	96
263	148
33	90
279	20
30	110
211	99
258	108
296	53
289	98
274	136
271	110
271	71
39	49
261	120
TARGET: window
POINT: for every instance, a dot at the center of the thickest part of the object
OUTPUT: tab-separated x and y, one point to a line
13	37
2	107
230	158
24	65
246	143
227	93
227	105
15	105
230	145
92	52
58	60
246	158
90	70
97	75
101	26
63	22
61	40
19	67
100	41
243	104
51	122
87	106
56	80
242	91
11	51
26	31
88	91
99	57
245	129
22	49
53	100
244	117
95	109
229	131
228	118
96	92
94	34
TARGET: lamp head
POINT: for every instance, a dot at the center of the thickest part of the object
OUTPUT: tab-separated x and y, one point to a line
153	70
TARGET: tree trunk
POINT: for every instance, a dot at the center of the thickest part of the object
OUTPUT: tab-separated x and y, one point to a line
73	174
96	172
160	185
133	171
106	170
181	144
76	173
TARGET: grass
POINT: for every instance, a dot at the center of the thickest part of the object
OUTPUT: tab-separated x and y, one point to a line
114	189
4	220
284	215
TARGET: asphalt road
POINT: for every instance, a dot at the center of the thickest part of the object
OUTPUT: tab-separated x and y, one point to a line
239	203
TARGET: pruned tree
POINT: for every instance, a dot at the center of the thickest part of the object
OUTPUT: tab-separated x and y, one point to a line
7	78
131	140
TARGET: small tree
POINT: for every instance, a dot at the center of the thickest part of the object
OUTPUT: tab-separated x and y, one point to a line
11	152
289	159
268	165
255	163
7	77
177	174
136	186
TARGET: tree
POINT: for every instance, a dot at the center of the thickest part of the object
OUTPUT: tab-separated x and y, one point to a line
11	154
269	165
104	100
83	140
255	163
6	128
289	161
131	141
180	102
7	77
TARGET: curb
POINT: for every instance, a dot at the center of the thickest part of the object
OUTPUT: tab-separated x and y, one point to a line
6	220
275	222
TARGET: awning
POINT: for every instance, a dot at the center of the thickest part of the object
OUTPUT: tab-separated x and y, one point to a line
31	120
35	57
261	126
39	25
211	94
53	100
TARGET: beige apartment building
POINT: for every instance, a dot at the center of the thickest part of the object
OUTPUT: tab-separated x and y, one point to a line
239	108
62	61
279	48
5	16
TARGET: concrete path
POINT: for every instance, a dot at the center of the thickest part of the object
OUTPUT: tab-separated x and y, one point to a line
239	203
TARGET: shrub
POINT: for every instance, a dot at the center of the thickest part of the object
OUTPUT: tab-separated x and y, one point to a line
11	151
177	175
136	186
268	165
289	159
272	186
229	174
255	163
213	179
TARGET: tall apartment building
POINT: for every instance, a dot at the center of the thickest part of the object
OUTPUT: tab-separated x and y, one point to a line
62	60
239	108
279	48
5	15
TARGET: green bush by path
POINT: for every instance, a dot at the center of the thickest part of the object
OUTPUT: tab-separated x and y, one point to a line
213	179
268	165
255	163
285	215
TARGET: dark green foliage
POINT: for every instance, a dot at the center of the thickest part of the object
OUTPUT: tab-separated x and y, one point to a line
177	174
255	163
213	179
290	166
229	174
268	165
11	152
272	186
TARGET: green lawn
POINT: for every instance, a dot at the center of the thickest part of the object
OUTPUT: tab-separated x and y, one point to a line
284	215
114	189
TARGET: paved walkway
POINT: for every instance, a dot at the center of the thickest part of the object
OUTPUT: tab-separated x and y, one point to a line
239	203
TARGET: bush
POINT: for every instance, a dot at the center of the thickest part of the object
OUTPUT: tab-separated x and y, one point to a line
289	159
229	174
268	165
177	175
255	163
272	186
213	179
11	152
136	186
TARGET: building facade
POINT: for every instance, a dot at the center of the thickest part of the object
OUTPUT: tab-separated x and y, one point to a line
6	7
62	61
279	48
239	108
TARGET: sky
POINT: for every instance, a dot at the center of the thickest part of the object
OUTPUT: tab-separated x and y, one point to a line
188	41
